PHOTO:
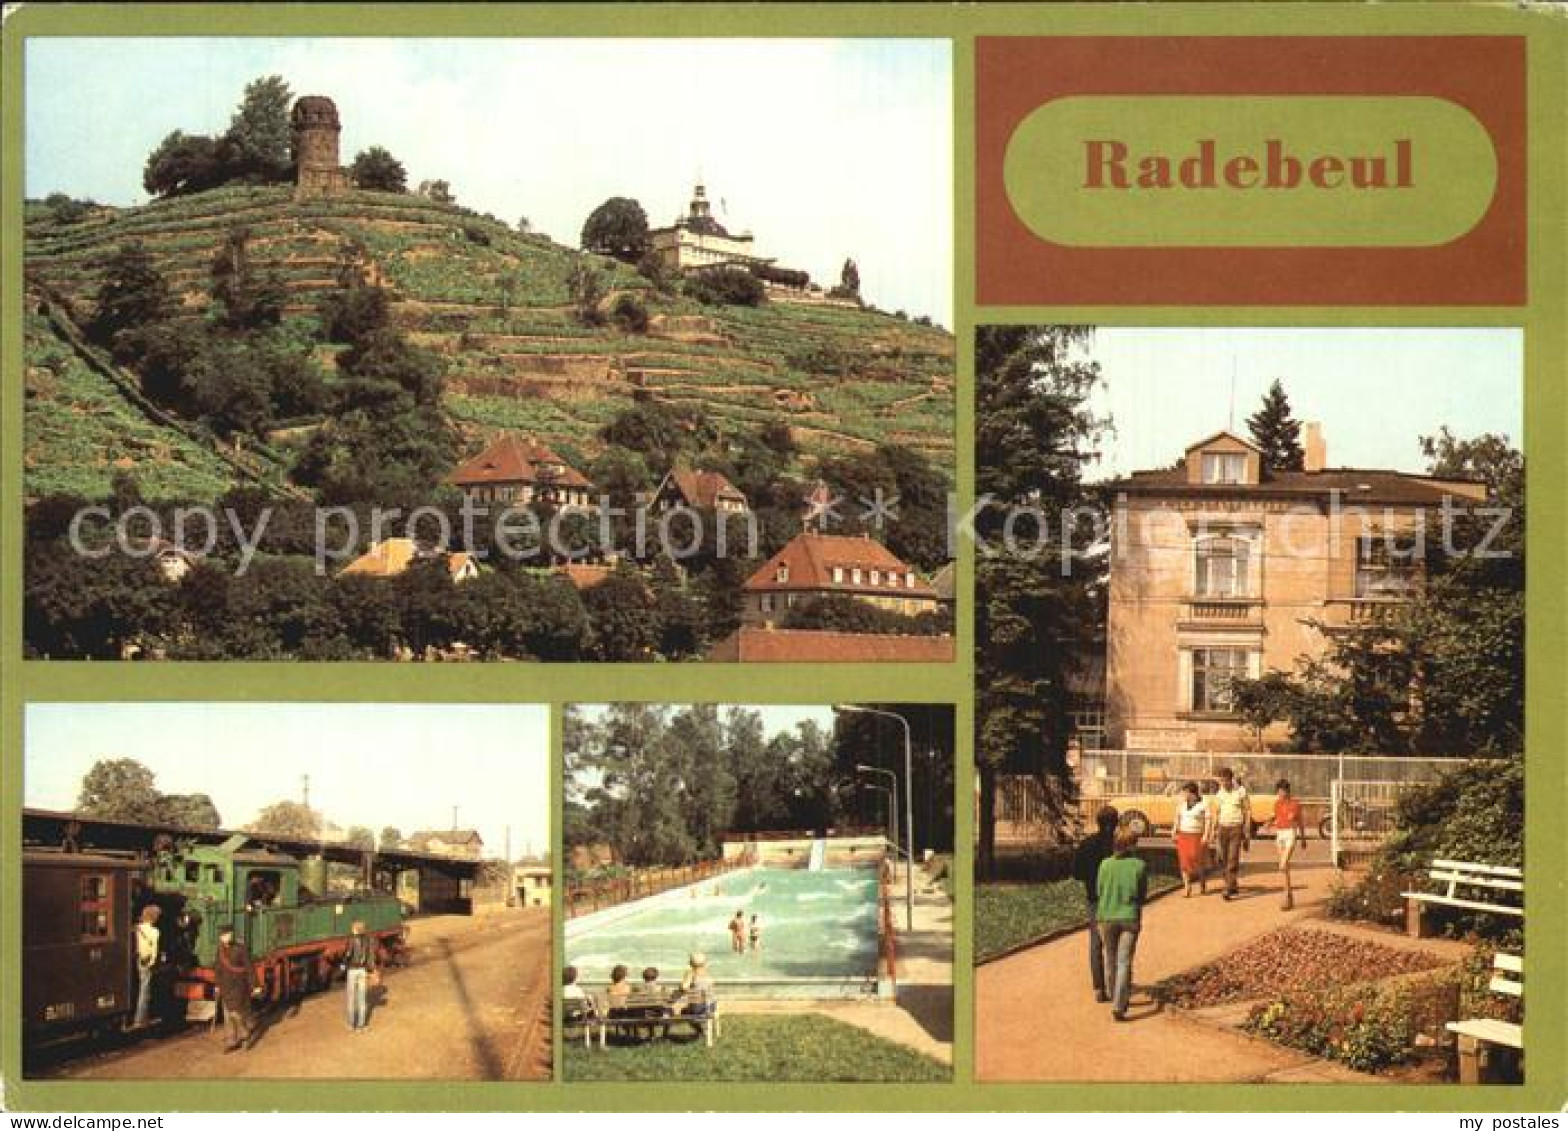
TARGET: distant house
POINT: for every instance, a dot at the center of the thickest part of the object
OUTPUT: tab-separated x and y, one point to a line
824	565
520	470
532	882
393	556
764	645
464	843
699	490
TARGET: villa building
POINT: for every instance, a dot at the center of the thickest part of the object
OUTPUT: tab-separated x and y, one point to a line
699	490
697	240
518	470
1220	569
824	565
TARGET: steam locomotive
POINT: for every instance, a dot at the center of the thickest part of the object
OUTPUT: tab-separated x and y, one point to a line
80	911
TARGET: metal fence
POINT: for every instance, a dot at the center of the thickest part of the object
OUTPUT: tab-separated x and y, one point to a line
1361	817
1108	774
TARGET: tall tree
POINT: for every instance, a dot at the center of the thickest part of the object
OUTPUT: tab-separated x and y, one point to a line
132	294
248	297
849	279
391	837
618	228
1036	615
120	789
1277	432
260	132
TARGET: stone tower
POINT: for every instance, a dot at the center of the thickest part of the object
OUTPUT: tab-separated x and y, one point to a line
316	129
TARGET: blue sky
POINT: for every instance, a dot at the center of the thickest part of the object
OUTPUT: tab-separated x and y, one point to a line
371	764
822	148
1375	391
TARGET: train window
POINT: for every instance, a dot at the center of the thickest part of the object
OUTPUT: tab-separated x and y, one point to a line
97	906
214	875
192	872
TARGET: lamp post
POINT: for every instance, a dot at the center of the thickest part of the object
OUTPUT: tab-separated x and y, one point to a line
909	809
892	816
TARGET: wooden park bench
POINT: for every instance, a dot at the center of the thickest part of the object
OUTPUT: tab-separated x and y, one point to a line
580	1014
1471	887
1480	1036
637	1016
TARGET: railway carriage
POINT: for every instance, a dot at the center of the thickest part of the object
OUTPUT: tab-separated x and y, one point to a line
78	944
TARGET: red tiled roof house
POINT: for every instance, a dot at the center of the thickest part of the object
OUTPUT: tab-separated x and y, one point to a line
824	565
518	470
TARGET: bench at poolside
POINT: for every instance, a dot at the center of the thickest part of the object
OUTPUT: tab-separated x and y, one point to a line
650	1016
1468	886
1482	1039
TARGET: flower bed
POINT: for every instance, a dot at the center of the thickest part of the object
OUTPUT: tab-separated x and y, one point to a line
1290	961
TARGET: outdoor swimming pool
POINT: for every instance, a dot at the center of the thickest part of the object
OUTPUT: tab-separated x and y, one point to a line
819	933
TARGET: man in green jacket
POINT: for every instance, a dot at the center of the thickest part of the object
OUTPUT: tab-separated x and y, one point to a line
1123	888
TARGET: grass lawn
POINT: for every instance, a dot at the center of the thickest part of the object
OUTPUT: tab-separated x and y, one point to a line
772	1047
1008	915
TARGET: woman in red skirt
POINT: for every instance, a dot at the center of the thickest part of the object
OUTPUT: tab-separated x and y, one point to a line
1190	830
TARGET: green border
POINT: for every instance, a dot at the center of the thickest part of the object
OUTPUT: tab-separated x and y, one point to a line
1546	442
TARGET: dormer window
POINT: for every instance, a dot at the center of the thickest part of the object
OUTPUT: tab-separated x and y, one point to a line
909	580
781	572
1224	467
876	577
838	575
854	575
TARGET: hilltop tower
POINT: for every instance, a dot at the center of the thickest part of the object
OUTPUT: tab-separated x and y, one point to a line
315	144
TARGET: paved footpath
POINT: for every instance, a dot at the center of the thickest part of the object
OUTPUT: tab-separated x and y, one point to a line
1036	1017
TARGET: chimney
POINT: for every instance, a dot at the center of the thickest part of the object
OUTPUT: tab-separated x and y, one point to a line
1316	452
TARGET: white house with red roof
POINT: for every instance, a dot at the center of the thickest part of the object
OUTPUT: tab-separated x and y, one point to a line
518	470
823	565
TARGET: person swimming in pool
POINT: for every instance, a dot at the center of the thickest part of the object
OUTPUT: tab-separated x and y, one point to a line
738	932
755	934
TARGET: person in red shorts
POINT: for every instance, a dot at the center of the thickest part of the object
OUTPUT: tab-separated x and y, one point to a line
1288	833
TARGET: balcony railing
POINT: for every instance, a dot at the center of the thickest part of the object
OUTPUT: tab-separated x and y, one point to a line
1223	610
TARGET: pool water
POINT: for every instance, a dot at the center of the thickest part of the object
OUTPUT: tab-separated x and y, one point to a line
816	925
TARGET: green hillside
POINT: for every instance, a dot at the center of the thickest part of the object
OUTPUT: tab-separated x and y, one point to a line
497	306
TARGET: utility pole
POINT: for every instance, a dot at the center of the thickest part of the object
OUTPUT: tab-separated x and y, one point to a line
304	781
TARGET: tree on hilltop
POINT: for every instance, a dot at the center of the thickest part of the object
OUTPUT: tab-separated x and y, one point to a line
184	163
377	170
617	228
260	133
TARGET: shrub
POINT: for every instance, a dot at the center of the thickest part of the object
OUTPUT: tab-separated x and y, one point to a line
476	235
726	286
784	276
630	315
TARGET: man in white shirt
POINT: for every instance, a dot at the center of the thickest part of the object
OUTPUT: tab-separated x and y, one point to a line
1233	819
146	962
